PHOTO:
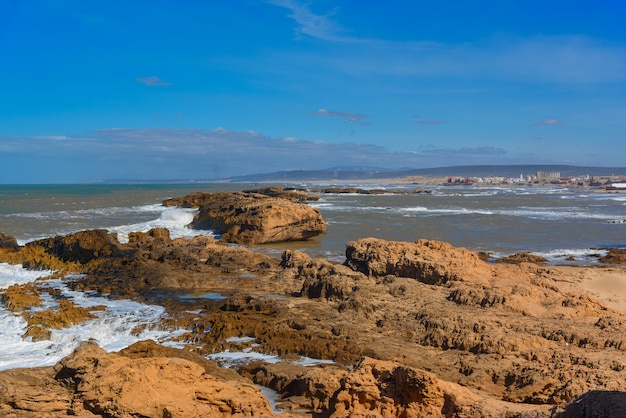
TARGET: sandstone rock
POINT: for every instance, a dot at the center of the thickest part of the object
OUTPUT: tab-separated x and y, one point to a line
431	262
294	195
91	382
523	340
299	387
82	247
36	258
250	218
117	386
17	297
523	257
614	256
387	389
142	238
322	279
254	218
8	241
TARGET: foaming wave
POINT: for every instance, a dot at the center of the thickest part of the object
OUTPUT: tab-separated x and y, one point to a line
174	219
562	256
113	329
15	274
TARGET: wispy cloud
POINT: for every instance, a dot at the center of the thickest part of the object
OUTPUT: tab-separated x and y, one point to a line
205	154
311	24
420	121
346	116
152	81
453	153
563	59
549	122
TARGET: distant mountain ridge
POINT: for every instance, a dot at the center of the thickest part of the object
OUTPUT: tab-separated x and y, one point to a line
361	173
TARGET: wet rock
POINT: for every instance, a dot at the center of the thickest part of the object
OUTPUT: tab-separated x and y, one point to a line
522	339
295	195
614	256
17	298
8	242
300	387
82	247
523	257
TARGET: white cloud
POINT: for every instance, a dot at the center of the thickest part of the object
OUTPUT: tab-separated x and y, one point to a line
346	116
309	23
152	81
549	122
554	59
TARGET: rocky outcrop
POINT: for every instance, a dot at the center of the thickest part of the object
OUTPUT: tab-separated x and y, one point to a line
419	328
8	241
254	218
432	262
81	247
358	190
523	257
614	256
91	382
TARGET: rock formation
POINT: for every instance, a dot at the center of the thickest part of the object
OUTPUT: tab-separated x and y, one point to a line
91	383
411	329
254	218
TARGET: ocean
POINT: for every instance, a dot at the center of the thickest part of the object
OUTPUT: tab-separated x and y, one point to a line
556	223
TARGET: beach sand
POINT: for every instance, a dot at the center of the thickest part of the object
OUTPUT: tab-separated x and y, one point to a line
606	283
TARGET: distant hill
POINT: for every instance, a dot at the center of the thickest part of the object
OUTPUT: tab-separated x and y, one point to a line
362	173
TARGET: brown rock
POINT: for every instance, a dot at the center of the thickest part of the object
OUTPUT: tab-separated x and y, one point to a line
614	256
118	386
8	241
387	389
432	262
523	257
82	247
17	297
91	382
250	218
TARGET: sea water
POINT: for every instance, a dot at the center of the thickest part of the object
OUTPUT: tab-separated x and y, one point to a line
556	223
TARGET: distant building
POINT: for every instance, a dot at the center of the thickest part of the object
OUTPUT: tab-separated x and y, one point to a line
548	176
617	186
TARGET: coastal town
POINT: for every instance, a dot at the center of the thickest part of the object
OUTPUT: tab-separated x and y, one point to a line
613	183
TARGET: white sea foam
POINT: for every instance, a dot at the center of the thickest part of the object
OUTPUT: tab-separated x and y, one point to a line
232	358
16	274
574	256
174	219
113	328
229	358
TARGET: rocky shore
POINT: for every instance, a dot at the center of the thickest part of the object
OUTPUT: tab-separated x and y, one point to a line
405	329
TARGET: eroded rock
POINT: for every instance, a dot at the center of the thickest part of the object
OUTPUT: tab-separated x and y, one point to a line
254	218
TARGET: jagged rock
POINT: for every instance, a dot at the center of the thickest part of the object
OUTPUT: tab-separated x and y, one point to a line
251	218
322	279
300	387
17	297
143	238
294	195
523	257
82	247
92	382
523	339
614	256
8	241
432	262
118	386
386	389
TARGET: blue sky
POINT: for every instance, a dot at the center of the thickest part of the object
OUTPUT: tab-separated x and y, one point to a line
207	89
